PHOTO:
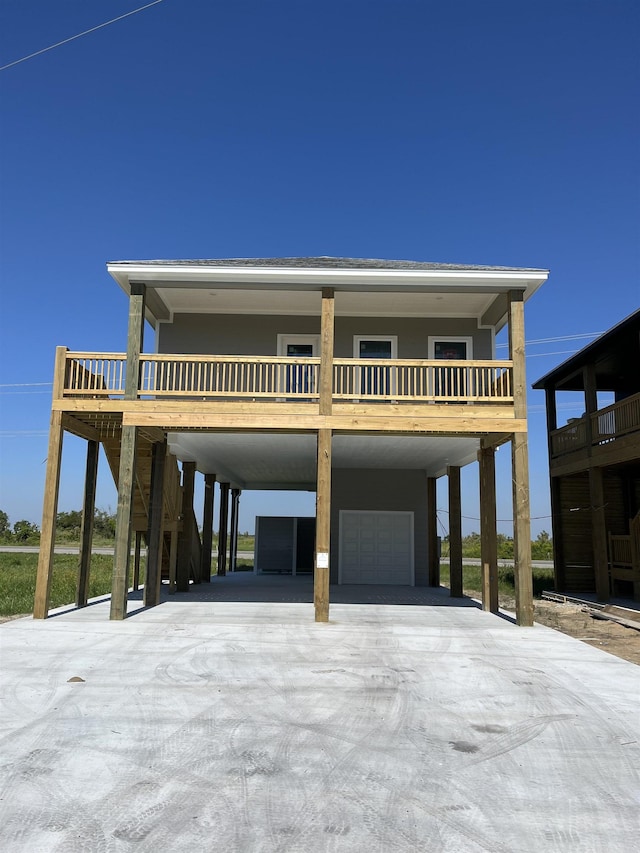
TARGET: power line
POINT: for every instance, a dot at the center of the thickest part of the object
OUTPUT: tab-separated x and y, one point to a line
79	35
558	339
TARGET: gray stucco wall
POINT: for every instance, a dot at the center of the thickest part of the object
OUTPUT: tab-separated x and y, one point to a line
381	489
246	334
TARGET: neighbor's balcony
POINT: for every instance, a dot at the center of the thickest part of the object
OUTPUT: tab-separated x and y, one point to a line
256	378
606	425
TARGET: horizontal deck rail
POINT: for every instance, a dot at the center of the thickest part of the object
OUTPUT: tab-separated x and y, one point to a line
281	378
609	424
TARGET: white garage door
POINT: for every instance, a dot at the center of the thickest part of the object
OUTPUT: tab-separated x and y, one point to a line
376	547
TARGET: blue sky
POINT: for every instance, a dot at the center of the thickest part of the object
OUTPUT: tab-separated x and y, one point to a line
501	132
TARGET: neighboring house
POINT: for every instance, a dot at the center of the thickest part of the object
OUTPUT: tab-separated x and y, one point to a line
361	380
594	465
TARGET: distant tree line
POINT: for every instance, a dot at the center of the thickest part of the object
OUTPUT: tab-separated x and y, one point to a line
541	546
68	525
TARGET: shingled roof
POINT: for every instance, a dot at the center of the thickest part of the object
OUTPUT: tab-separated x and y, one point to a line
324	262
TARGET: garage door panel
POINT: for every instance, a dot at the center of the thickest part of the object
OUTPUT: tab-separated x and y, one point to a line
376	547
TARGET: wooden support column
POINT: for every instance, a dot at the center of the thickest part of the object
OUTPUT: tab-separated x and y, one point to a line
128	448
49	512
520	466
323	527
557	531
233	547
488	528
136	560
455	531
432	533
185	534
326	351
599	534
155	536
122	545
223	528
86	529
207	527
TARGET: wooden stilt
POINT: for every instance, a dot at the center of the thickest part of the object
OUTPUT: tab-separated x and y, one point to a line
599	534
151	595
432	533
86	530
136	560
122	546
520	465
173	560
323	527
233	544
223	528
49	512
455	531
185	535
488	529
207	527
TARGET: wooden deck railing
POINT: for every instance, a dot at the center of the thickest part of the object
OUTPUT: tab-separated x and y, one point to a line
418	380
276	378
607	425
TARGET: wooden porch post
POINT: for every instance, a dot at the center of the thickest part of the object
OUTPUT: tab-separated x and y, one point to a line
557	521
185	535
207	527
233	547
323	527
223	528
151	595
520	466
488	528
122	545
86	530
599	534
326	350
455	531
128	447
432	533
49	512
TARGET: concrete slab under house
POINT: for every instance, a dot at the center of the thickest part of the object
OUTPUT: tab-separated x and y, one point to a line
361	380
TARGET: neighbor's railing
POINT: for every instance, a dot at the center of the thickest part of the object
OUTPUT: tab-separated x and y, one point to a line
607	425
238	377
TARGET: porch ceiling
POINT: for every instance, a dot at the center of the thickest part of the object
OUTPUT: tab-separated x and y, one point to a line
288	461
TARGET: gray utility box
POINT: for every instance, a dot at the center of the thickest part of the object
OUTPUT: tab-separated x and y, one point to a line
284	545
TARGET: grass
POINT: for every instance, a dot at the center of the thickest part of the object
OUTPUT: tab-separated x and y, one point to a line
472	579
18	580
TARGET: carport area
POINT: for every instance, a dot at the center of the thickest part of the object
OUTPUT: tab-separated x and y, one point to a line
225	719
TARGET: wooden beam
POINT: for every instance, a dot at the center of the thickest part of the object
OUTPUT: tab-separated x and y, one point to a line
86	529
77	427
327	324
207	527
455	531
122	545
185	535
135	338
432	533
521	530
488	528
136	560
599	534
49	512
155	536
223	528
321	572
233	547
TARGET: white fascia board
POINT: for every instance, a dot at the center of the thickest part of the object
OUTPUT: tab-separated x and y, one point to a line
287	278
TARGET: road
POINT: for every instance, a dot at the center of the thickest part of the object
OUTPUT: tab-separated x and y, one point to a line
243	555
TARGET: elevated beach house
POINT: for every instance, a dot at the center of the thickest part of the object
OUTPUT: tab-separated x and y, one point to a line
594	464
361	380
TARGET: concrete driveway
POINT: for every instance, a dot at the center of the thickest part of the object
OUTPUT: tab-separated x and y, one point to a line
240	725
